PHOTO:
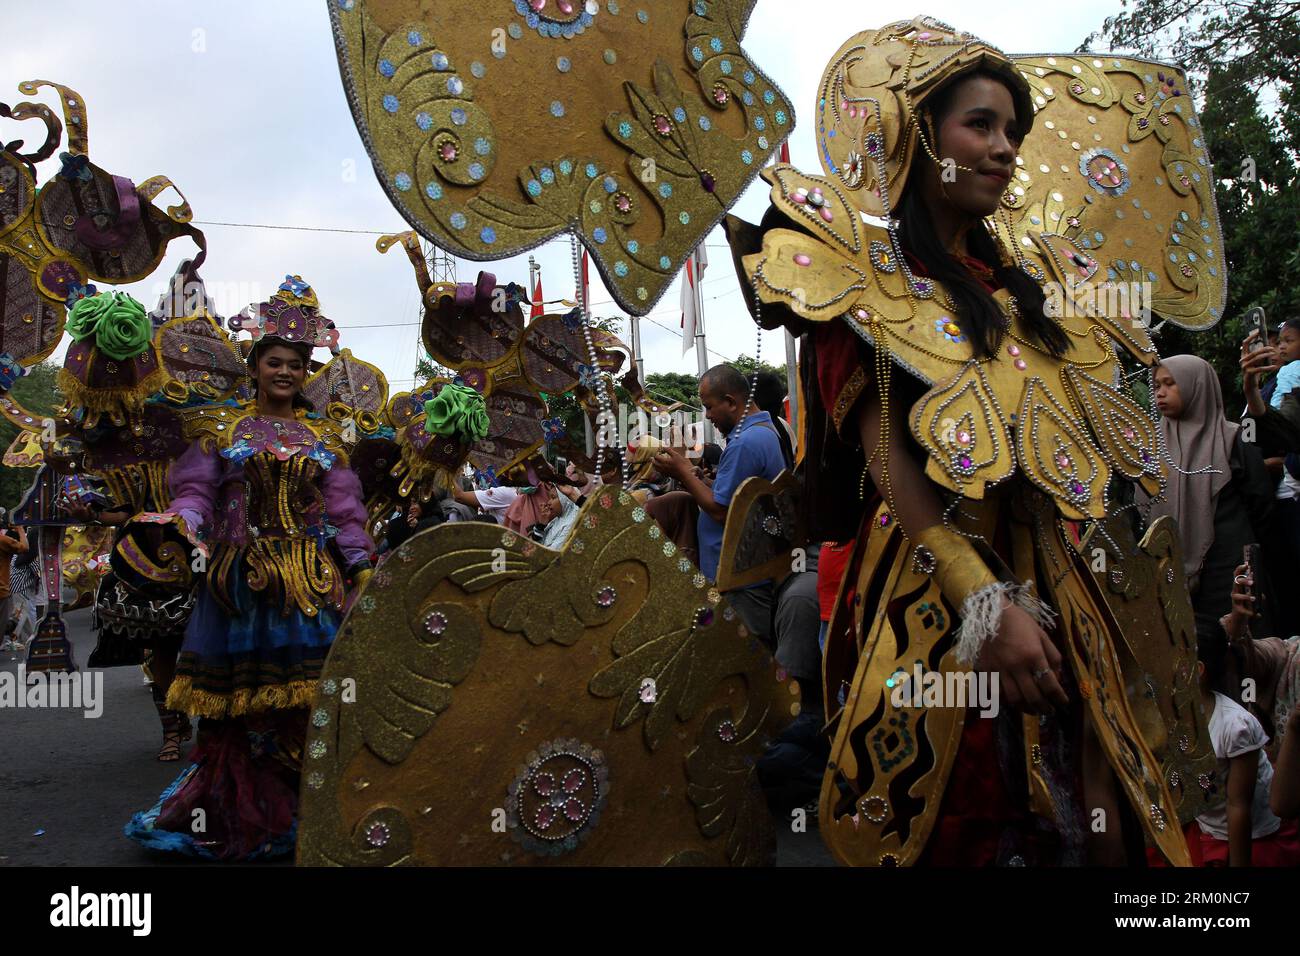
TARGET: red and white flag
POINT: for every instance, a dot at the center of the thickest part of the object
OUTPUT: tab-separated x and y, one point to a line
696	263
586	283
538	308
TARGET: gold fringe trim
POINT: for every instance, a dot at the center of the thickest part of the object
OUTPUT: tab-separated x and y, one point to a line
119	402
420	470
183	696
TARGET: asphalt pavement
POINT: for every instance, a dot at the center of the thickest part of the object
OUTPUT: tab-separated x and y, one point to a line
69	783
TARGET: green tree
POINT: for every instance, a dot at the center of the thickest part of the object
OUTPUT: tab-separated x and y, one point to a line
38	393
674	386
426	368
749	366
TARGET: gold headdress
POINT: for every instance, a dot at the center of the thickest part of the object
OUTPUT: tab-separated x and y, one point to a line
871	94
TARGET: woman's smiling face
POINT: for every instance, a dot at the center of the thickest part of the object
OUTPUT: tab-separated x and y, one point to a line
978	131
281	372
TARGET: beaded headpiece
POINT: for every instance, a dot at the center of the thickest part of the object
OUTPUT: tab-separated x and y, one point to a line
291	315
871	95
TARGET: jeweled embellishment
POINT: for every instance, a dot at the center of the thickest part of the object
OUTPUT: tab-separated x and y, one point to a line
813	199
320	717
377	834
1158	818
556	798
851	172
949	329
726	731
435	623
1105	172
606	596
772	525
882	257
875	809
923	561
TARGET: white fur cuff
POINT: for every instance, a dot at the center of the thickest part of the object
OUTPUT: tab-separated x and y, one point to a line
981	613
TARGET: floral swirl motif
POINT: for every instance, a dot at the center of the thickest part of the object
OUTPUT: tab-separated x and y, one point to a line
450	150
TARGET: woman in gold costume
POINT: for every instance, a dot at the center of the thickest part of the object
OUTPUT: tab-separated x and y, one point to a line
964	386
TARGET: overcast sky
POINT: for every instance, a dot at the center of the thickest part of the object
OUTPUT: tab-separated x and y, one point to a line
240	104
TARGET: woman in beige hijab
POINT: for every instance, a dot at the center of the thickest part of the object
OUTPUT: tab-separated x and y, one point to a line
1219	491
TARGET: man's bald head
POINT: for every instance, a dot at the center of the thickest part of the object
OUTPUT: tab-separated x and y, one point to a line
724	393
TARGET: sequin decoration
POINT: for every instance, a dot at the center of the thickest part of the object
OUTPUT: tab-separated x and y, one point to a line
557	796
595	100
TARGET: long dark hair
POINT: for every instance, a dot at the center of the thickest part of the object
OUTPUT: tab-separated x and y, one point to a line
303	351
979	317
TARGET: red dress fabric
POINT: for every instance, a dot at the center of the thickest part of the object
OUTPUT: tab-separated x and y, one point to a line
831	565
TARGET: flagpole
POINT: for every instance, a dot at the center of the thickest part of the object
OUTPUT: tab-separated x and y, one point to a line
701	350
532	285
635	323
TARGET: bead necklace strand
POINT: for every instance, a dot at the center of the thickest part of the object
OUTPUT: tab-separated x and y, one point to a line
603	397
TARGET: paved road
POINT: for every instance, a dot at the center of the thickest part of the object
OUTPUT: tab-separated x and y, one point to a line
79	780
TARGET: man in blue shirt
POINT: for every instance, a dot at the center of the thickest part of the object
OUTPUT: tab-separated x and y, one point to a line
752	449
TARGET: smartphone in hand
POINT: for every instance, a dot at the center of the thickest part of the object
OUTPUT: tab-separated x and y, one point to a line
1254	321
1252	556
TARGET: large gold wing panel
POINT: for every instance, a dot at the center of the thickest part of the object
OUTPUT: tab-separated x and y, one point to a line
494	127
1117	162
489	701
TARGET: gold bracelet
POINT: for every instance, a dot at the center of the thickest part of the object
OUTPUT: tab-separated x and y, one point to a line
952	561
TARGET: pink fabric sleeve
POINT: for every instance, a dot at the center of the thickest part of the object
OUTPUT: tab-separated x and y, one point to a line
347	512
193	482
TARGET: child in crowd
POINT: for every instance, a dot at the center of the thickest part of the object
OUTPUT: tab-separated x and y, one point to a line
1239	829
1288	347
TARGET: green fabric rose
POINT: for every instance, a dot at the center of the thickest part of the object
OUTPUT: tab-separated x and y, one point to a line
124	330
459	411
86	315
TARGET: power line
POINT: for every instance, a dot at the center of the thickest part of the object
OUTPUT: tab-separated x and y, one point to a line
263	225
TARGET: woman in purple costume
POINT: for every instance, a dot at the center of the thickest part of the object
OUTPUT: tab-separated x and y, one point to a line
266	495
